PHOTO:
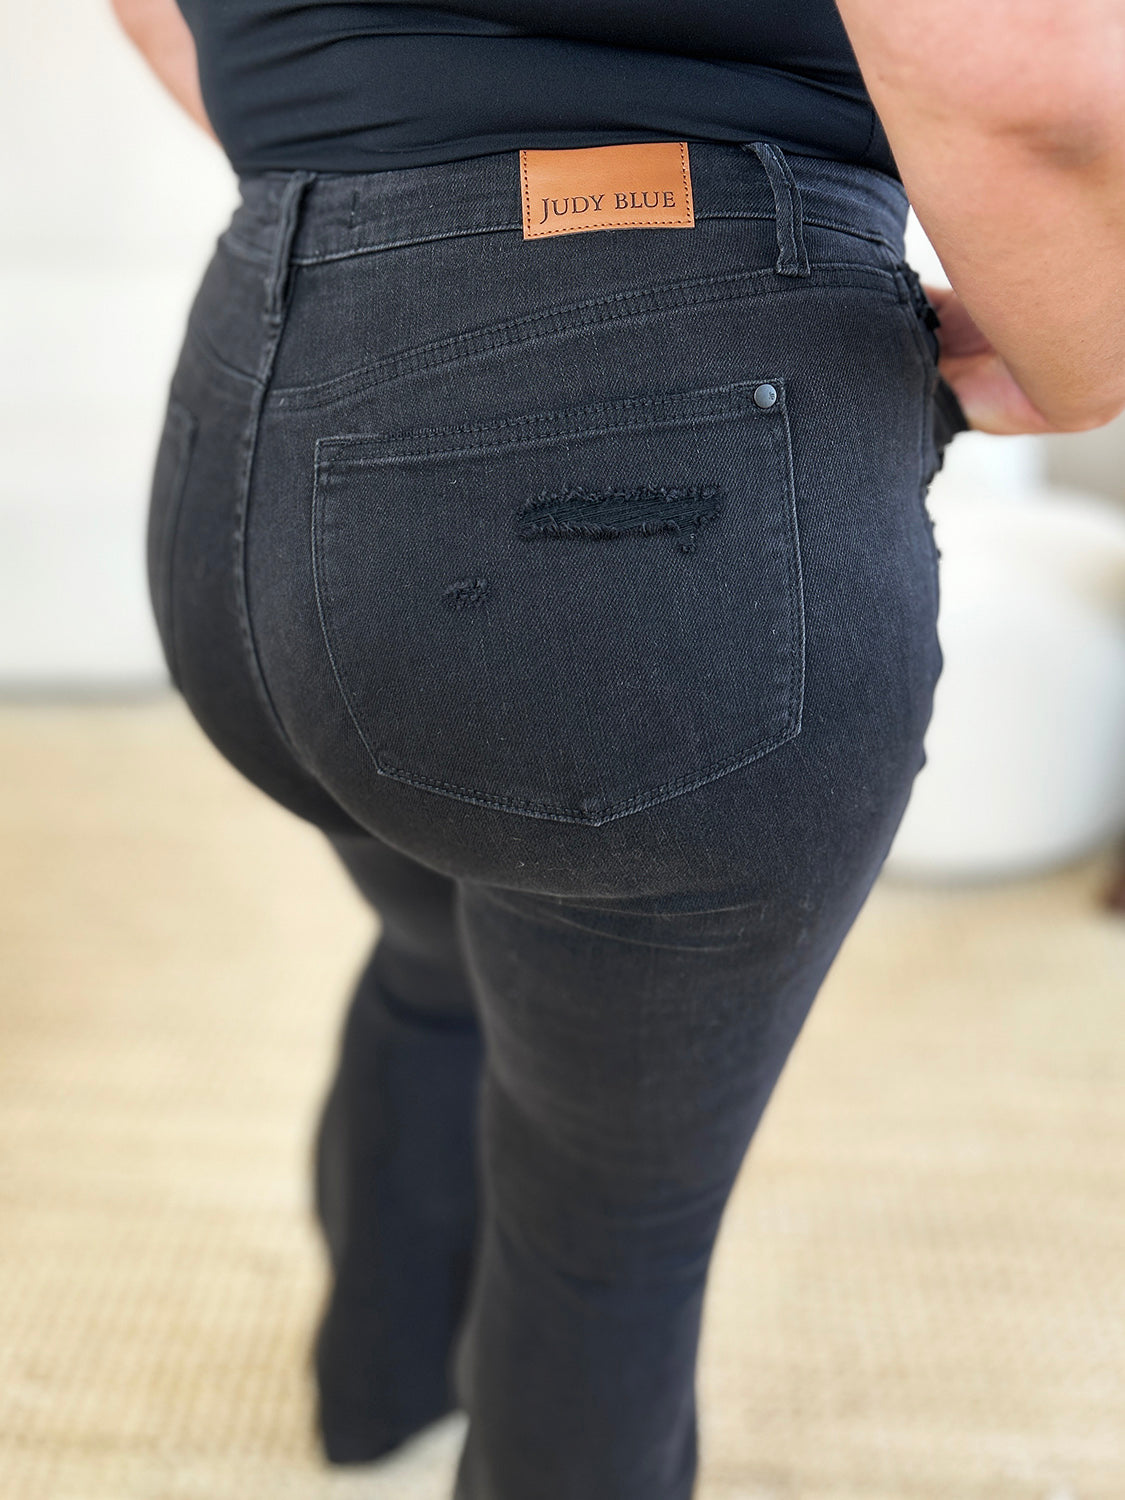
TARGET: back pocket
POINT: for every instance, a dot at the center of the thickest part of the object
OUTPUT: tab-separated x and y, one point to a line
569	615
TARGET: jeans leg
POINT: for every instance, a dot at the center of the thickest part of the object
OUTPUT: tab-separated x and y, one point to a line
630	1058
395	1175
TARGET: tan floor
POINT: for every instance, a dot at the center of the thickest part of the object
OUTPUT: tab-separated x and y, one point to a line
919	1290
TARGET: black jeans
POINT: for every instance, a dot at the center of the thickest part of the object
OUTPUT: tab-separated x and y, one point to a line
582	590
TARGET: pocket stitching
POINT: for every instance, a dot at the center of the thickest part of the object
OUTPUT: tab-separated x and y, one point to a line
553	425
569	422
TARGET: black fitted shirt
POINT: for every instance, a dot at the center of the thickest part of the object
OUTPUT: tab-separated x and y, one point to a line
354	86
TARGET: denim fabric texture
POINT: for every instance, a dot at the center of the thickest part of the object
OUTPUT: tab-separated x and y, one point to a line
583	592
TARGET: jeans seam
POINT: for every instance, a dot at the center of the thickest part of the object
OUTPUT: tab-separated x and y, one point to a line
666	409
276	304
217	363
930	378
906	304
316	540
618	308
330	257
186	429
243	249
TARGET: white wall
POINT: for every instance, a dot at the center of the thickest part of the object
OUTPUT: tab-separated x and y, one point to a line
111	201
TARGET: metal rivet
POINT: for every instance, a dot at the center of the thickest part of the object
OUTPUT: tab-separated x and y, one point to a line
765	396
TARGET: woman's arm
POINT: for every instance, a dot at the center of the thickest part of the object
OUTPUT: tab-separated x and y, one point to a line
161	35
1007	120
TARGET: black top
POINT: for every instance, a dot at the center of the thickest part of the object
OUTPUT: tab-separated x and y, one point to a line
365	85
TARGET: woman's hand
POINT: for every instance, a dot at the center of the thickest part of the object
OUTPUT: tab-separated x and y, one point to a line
986	389
1007	123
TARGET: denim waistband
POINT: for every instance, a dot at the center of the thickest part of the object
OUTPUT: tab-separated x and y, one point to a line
343	214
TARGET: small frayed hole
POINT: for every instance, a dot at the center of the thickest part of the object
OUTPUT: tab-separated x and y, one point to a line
466	593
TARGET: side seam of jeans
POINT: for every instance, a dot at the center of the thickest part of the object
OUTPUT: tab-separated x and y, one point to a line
277	286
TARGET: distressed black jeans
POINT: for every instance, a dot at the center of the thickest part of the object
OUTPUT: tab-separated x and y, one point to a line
583	591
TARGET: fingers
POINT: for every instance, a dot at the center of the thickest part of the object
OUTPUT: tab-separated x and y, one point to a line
990	397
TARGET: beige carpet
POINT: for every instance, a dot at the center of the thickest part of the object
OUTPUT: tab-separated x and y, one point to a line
919	1291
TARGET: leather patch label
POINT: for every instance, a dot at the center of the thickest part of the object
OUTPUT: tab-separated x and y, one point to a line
643	186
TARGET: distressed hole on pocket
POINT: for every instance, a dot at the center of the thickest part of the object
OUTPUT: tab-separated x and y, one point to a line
606	671
602	515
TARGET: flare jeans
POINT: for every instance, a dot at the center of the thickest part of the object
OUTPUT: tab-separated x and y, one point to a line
583	592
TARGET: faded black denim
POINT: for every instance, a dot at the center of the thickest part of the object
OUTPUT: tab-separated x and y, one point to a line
583	592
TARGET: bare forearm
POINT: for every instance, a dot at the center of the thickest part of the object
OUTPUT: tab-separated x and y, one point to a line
160	34
1018	177
1035	247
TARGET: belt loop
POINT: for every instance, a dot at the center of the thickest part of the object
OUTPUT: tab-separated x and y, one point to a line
277	280
792	258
